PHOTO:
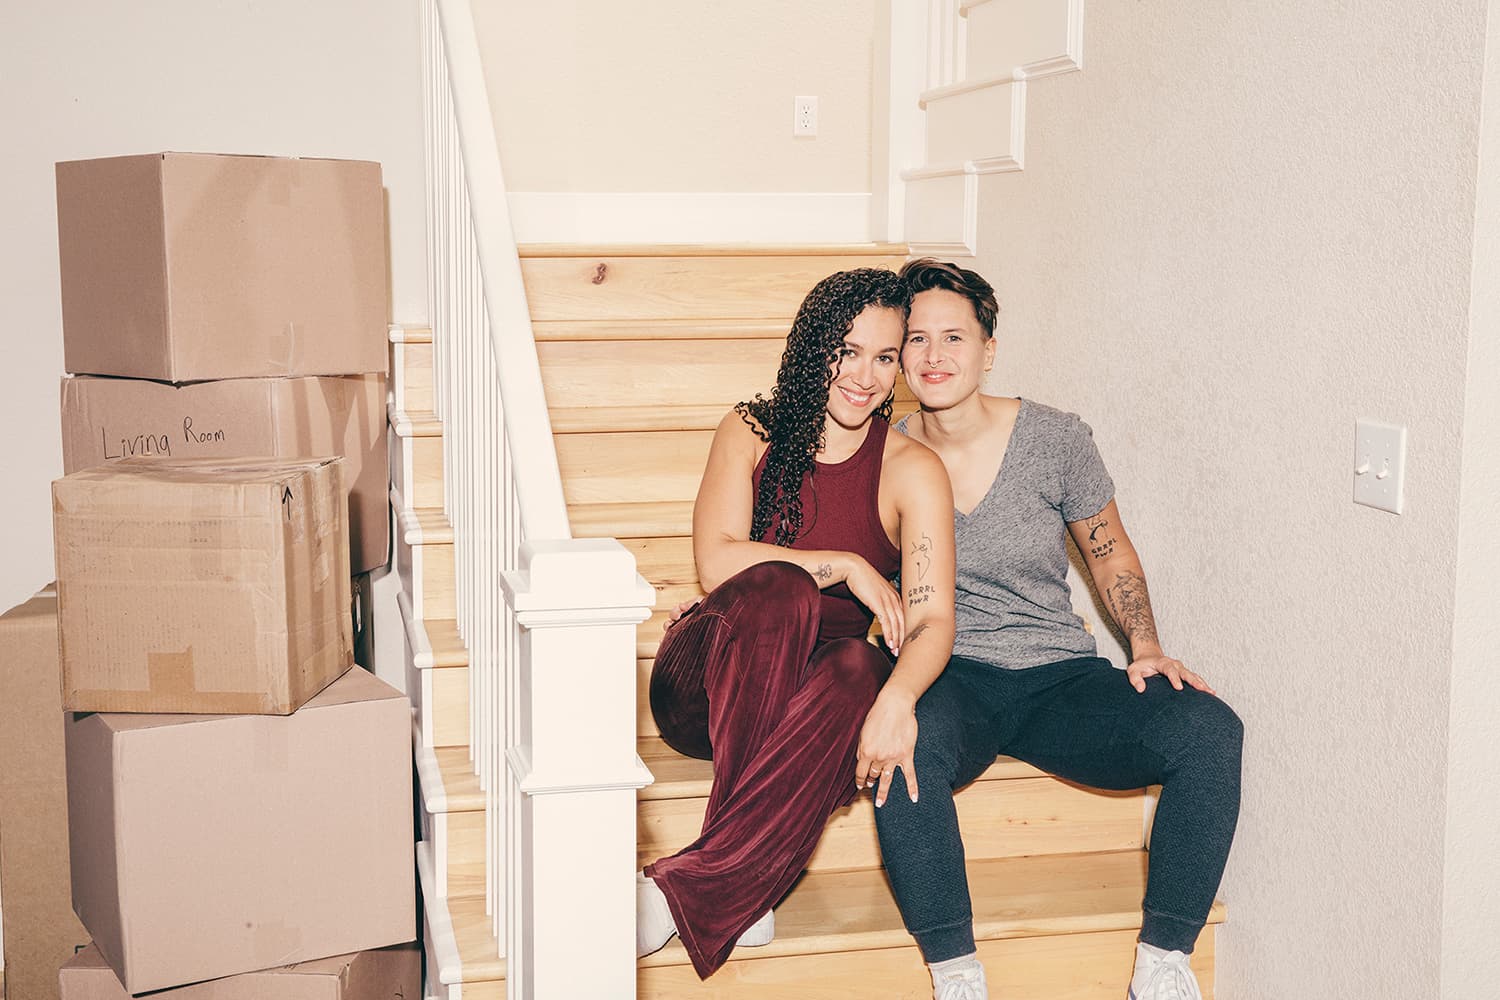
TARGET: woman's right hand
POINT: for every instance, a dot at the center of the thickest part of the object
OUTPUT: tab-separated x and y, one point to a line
876	593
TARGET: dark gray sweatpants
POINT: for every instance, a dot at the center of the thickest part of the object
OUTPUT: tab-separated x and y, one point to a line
1081	720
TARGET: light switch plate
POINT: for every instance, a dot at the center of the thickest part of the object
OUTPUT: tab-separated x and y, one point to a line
1379	465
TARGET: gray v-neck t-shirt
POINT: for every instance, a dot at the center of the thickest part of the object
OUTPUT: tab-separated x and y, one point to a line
1014	608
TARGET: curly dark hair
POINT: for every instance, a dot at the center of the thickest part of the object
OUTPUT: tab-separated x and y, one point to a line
792	420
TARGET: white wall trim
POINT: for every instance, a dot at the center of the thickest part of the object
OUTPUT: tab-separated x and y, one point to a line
691	217
968	87
957	228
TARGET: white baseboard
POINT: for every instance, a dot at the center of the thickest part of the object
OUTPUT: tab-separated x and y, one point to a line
690	217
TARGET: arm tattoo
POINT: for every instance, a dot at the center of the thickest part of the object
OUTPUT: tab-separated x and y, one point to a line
916	633
1131	606
1101	539
824	572
921	553
920	594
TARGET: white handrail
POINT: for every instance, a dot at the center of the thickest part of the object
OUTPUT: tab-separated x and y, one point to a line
544	514
548	620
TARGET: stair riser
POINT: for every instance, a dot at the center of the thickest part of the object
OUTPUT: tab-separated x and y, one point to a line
411	382
441	696
466	842
427	577
686	373
1094	966
1000	819
628	468
457	839
562	288
668	564
417	468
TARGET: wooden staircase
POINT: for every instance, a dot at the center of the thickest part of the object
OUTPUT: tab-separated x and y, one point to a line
642	351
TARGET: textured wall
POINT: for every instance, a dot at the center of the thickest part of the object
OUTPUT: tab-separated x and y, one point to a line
678	95
1471	913
1239	228
97	78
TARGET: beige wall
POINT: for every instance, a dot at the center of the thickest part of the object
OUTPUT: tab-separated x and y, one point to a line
94	78
1239	228
678	95
1471	911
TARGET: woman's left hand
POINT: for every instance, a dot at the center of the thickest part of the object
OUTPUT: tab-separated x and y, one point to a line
887	741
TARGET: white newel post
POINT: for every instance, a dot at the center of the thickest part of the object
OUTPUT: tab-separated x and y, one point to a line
574	769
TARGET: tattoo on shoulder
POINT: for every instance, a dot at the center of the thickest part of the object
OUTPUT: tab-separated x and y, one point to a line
824	572
916	633
1131	605
1101	539
921	553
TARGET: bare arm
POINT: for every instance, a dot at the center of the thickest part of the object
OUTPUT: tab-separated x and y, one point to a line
925	506
1116	569
721	531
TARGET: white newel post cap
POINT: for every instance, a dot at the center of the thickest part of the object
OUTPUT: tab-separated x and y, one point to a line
578	602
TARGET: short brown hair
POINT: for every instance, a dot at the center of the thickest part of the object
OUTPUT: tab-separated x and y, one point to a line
927	273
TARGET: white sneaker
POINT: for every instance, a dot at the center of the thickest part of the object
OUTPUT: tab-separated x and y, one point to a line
760	933
1170	978
654	926
963	983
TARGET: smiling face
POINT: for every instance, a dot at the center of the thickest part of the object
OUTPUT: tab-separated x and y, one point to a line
865	373
946	352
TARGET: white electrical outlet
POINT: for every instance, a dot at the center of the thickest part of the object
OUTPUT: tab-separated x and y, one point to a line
1379	465
804	116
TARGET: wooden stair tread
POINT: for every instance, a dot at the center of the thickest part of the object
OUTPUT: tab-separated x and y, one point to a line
424	525
472	932
410	335
1013	898
645	519
679	777
711	249
460	783
414	423
448	649
562	330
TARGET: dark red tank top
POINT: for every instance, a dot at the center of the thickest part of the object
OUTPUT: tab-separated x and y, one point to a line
841	511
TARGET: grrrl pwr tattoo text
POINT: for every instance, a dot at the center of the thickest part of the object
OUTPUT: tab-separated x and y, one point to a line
1101	539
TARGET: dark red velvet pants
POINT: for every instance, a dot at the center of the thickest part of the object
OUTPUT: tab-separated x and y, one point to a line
742	680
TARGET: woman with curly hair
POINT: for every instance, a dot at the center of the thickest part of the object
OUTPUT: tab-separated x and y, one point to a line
807	509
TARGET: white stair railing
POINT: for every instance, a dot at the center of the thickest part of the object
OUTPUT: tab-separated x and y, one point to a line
549	620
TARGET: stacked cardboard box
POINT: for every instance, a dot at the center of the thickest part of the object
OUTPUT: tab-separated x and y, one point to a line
238	797
237	306
213	845
40	930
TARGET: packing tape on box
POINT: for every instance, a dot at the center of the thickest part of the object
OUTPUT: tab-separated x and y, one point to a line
172	675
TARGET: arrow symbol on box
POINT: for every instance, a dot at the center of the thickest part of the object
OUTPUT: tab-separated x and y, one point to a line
286	499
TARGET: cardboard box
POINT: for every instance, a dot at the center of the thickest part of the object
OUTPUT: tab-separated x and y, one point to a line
110	418
40	930
201	585
385	974
187	266
205	847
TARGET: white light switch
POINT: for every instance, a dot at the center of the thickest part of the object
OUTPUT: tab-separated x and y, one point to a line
1379	465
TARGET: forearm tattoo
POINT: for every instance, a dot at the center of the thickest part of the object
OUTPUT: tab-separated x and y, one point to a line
824	572
916	632
1131	606
1101	539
